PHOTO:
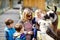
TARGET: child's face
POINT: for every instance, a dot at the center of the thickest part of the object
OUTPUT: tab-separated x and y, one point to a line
11	25
22	29
39	14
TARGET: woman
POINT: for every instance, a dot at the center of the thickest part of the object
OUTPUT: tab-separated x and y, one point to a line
27	22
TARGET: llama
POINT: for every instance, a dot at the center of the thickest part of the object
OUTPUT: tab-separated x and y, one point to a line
44	25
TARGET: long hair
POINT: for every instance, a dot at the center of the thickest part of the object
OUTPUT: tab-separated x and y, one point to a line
25	12
37	11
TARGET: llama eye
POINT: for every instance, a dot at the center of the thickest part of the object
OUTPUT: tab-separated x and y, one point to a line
40	23
44	23
52	15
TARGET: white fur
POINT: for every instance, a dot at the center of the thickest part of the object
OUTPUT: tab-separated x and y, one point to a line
50	12
44	25
54	18
42	34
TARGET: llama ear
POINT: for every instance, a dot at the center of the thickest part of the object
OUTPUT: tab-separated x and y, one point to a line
55	8
48	7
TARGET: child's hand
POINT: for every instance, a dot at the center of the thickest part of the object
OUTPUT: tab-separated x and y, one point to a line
30	32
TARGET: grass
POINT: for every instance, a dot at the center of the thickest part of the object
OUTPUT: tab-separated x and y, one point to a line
58	21
1	11
58	9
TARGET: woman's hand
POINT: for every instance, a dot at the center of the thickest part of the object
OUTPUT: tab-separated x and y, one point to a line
30	32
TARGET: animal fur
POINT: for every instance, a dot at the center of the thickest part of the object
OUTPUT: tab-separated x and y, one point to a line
44	25
52	15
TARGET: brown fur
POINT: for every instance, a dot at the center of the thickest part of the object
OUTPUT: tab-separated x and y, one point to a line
58	33
54	29
55	26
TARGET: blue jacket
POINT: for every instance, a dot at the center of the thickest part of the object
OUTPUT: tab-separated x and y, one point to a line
22	37
34	21
9	33
34	29
35	32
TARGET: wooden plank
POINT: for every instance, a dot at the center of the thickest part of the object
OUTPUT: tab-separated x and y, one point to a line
41	4
10	4
34	3
0	2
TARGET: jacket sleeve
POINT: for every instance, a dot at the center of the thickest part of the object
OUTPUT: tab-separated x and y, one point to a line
7	35
35	32
33	21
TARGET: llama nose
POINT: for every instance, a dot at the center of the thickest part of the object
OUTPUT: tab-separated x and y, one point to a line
44	23
46	17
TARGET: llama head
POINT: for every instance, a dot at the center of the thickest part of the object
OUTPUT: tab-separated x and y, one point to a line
44	24
51	14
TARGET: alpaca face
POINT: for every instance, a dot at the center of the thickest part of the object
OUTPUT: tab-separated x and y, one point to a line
44	24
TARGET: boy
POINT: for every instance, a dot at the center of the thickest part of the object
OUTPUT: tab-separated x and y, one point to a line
9	30
19	34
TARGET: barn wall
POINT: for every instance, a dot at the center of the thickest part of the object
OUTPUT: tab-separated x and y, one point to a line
34	3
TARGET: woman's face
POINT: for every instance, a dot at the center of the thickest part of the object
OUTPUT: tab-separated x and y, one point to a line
29	16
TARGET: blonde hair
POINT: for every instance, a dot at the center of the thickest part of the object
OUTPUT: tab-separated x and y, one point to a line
25	12
38	10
